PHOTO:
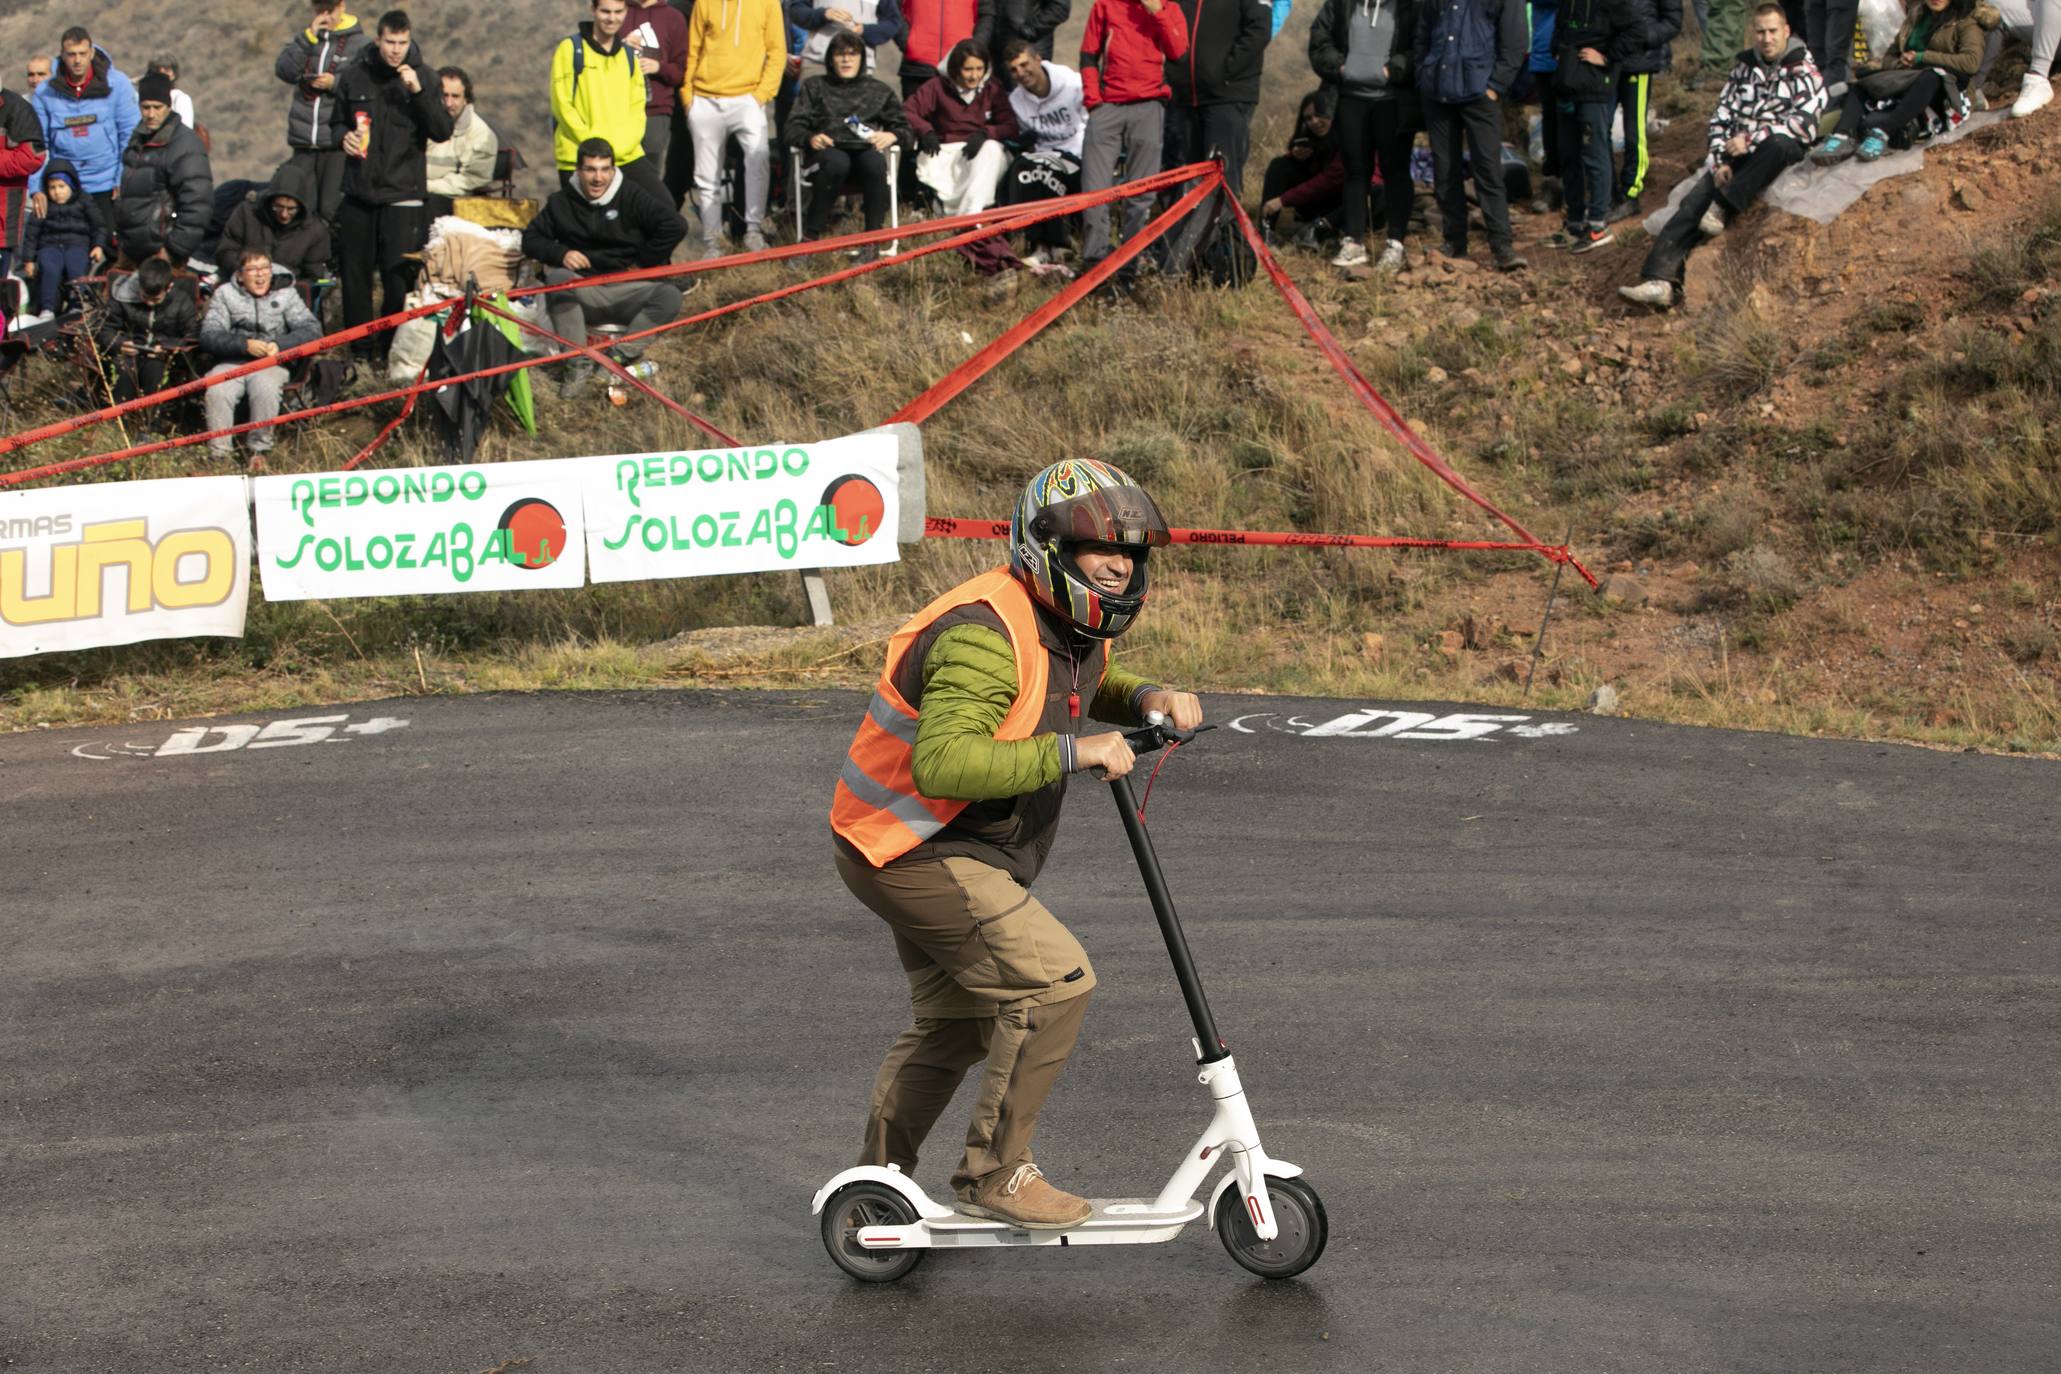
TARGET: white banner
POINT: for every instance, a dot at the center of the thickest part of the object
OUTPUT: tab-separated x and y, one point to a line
484	527
122	562
756	509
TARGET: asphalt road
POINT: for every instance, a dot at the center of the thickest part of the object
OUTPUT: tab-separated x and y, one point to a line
525	1031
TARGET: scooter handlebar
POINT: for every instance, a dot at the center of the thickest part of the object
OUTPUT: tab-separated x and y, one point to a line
1157	733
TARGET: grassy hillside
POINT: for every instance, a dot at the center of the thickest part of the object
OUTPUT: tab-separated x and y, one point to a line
1828	496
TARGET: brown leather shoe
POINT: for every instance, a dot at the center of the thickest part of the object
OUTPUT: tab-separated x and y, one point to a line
1023	1198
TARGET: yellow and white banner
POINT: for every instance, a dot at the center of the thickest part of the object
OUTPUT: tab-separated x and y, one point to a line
120	562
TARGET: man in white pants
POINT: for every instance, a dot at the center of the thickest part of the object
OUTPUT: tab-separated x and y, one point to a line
2038	87
736	55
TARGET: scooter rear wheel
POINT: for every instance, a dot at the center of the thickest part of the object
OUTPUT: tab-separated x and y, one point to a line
1300	1225
858	1206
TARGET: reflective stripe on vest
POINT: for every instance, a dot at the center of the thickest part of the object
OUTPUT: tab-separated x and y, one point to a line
877	808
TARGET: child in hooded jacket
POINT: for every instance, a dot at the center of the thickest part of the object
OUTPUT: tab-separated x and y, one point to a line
66	243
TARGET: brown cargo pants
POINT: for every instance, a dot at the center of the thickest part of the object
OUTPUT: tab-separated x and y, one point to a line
993	976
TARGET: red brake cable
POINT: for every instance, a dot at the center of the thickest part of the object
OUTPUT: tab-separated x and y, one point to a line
1154	777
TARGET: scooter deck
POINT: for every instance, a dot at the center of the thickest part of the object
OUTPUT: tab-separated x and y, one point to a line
1116	1221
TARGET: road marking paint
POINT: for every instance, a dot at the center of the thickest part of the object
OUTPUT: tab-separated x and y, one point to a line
1390	722
224	739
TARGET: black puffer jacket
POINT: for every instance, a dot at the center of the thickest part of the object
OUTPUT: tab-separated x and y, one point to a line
311	115
628	227
1612	27
1663	20
824	102
175	319
168	193
1033	20
404	124
301	244
1227	44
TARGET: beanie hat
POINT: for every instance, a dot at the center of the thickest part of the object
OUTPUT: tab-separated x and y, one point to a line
156	86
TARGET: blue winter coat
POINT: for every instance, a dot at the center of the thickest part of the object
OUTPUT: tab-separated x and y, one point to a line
1542	12
90	130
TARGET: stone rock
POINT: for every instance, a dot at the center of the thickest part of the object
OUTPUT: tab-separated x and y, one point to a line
1622	589
1969	196
1435	375
1572	367
1602	701
1450	643
1372	645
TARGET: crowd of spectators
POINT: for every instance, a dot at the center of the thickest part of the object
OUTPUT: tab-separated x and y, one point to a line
725	110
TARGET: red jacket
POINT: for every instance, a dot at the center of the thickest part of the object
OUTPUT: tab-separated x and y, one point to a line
1125	50
936	109
21	154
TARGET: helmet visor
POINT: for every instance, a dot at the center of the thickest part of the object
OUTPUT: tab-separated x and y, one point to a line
1110	515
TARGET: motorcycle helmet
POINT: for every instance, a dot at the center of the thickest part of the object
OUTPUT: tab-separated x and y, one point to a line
1075	502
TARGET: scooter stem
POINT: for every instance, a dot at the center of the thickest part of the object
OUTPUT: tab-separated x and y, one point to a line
1213	1048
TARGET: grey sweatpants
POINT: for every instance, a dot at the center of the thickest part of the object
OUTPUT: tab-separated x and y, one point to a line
636	305
1136	132
263	388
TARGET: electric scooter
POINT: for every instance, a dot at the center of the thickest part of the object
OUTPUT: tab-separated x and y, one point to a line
877	1223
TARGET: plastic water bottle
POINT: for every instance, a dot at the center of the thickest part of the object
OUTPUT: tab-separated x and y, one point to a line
619	390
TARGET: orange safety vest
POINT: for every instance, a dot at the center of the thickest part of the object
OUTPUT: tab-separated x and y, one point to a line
877	808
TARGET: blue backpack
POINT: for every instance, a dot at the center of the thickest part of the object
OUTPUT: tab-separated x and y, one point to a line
1461	53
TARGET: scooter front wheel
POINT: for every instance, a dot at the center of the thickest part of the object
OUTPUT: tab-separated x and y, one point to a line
1300	1229
855	1208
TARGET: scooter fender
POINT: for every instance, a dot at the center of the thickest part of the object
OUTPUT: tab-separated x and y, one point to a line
1272	1168
892	1177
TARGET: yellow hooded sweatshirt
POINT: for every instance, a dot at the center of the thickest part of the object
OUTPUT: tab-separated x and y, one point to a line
736	47
608	104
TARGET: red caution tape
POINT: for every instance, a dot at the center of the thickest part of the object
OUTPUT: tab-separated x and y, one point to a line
947	527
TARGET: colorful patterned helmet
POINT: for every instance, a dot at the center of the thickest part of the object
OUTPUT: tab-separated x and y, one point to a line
1083	501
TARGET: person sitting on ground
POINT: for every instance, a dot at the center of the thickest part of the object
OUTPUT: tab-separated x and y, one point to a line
946	809
61	245
168	188
604	222
463	164
280	222
846	121
251	317
1766	117
1938	47
1307	182
962	120
1051	111
149	319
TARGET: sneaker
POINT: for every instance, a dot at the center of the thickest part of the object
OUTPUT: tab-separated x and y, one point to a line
1560	238
1714	220
1392	257
1873	146
754	239
1035	258
1628	208
1508	259
869	253
1309	238
255	463
1351	253
1656	293
2033	94
1978	101
1594	237
1833	149
576	378
1023	1198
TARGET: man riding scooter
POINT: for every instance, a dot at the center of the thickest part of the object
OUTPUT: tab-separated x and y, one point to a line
946	810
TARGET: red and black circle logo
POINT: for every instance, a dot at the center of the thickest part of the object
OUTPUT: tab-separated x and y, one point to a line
858	507
536	532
